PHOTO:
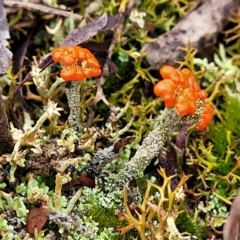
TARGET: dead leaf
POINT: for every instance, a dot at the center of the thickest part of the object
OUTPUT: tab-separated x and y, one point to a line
182	135
37	218
121	143
82	181
80	35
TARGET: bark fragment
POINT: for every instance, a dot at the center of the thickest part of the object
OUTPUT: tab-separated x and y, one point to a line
5	53
199	28
6	141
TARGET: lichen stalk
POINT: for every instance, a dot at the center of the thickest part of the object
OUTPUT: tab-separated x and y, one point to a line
72	90
152	145
74	199
61	179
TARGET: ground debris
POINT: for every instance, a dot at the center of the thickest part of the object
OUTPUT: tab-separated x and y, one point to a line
199	28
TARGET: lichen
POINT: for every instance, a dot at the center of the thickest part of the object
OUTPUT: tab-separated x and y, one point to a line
106	180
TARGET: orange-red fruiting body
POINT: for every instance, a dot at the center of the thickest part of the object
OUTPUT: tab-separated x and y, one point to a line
68	56
78	63
206	117
180	89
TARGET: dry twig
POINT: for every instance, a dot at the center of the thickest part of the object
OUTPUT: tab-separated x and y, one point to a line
41	8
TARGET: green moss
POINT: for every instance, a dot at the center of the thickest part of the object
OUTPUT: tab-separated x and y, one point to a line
226	132
186	223
212	155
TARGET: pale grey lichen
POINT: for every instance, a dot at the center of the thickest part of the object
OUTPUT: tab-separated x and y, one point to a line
100	159
72	90
79	227
13	203
172	229
151	146
138	17
29	138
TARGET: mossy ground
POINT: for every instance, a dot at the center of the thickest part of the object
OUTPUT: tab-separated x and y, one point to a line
212	156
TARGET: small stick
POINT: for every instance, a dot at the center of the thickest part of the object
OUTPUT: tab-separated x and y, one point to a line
39	7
